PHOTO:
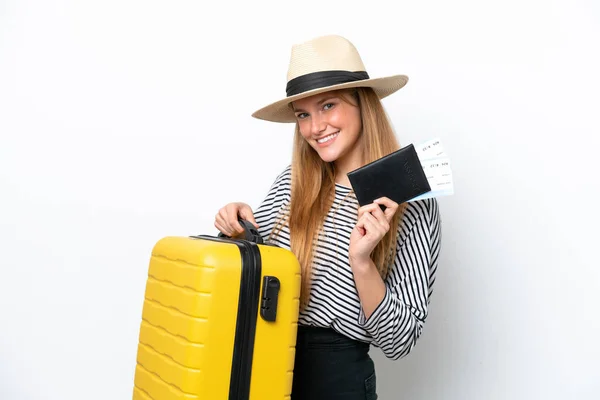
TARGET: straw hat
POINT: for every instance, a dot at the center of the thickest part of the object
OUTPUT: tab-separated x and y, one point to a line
323	64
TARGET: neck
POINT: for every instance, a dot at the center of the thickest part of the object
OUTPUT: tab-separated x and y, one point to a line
346	164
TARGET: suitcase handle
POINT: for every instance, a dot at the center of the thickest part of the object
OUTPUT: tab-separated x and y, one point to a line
250	232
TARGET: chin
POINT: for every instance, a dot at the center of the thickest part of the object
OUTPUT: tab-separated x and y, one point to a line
328	157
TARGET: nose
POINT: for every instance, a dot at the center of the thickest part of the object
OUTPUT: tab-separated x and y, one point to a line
318	124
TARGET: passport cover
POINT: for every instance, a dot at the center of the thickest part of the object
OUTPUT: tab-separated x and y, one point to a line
398	176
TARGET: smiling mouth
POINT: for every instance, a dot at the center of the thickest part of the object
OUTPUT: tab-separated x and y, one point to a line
328	138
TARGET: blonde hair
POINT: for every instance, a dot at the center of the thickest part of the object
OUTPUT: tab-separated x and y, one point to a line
313	187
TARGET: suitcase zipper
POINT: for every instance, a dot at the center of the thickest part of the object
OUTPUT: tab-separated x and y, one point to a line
247	314
248	303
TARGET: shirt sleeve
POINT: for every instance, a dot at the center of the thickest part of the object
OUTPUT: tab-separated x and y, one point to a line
268	211
397	322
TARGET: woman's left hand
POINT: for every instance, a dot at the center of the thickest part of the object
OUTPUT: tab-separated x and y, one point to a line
372	225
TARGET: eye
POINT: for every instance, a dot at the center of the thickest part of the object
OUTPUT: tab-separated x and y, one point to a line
301	115
328	106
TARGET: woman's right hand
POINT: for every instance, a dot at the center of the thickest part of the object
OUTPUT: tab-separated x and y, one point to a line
226	220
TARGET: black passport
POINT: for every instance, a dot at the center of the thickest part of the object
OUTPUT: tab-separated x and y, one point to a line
398	176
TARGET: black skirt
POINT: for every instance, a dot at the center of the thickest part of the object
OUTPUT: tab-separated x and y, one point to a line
331	366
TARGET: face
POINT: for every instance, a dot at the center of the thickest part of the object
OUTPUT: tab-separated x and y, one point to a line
330	125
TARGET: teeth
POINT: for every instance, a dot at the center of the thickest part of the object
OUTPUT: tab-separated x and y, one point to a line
327	138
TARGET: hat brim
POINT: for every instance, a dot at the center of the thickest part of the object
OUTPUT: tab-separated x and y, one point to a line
280	111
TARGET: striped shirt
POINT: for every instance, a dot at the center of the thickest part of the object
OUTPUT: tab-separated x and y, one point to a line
398	320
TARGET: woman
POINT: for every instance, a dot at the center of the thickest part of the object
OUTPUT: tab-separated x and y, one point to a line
367	274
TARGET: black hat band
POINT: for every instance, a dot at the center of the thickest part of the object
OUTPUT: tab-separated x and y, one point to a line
316	80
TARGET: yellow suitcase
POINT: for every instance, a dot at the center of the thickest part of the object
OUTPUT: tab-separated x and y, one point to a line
219	320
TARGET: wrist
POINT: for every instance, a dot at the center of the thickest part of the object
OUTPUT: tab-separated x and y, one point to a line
361	263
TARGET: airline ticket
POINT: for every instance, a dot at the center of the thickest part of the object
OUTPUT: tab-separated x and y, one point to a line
437	167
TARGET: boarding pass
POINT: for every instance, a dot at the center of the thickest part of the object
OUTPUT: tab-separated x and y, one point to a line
437	167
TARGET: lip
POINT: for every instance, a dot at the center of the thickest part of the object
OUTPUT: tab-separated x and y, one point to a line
329	142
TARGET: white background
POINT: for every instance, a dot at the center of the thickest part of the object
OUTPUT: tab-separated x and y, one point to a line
125	121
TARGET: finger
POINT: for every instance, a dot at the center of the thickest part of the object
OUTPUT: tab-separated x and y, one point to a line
369	208
387	202
233	218
378	214
370	226
246	213
223	214
224	226
391	206
376	211
360	227
374	227
222	229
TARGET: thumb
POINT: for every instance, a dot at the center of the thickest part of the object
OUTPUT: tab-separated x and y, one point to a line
246	213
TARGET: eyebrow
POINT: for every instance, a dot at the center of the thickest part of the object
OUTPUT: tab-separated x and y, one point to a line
318	103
